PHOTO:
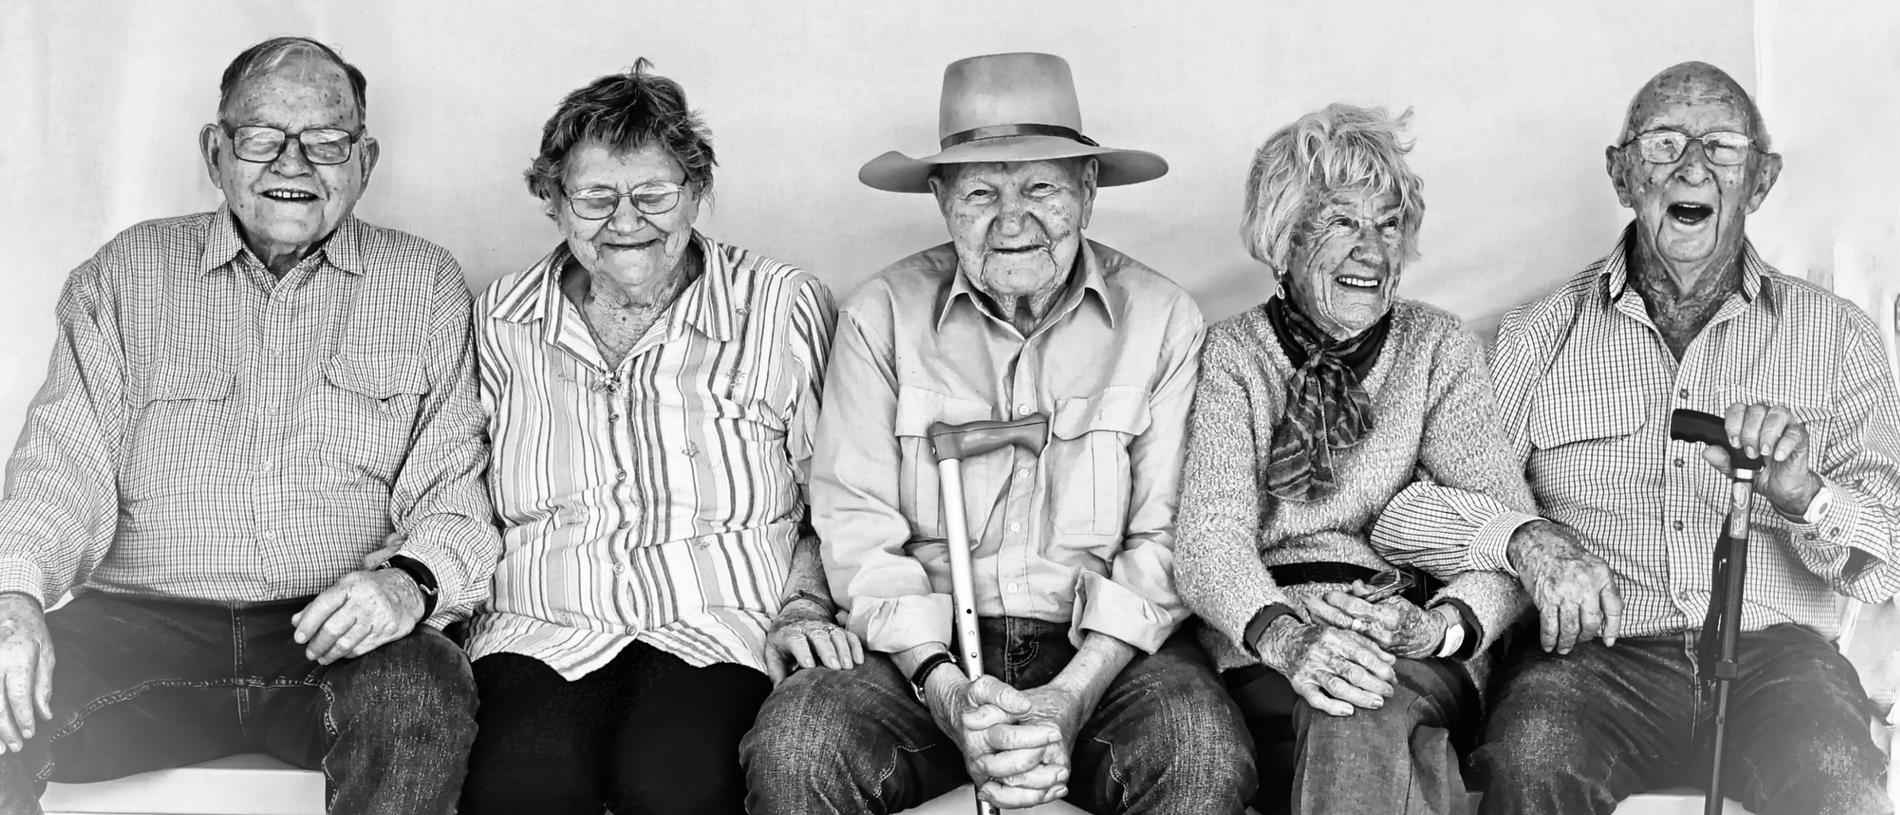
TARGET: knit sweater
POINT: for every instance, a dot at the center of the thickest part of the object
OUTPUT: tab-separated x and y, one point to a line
1434	418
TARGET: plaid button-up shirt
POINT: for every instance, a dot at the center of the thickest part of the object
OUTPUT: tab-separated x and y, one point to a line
207	431
1587	387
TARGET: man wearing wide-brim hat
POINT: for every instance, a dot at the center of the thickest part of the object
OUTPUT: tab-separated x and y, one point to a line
1090	694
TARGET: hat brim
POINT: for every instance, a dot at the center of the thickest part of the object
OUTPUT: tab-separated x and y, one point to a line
896	172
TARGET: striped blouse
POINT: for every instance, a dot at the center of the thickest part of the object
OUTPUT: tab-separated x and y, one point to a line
658	501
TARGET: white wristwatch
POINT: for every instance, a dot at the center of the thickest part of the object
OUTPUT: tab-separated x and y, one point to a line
1817	508
1454	637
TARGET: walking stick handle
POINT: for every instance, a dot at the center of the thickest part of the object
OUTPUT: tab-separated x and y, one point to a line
1707	428
961	441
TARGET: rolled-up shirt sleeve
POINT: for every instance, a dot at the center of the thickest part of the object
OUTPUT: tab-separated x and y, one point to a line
887	595
60	508
1137	601
439	501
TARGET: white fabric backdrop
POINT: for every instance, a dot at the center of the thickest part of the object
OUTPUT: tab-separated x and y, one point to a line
1515	102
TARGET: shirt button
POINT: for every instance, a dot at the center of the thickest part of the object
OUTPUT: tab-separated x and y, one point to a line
613	417
1013	587
1682	393
265	465
1024	472
1023	409
1016	527
620	475
269	535
625	524
1678	463
1676	525
620	568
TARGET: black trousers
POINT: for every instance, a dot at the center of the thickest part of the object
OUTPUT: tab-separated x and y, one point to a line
647	734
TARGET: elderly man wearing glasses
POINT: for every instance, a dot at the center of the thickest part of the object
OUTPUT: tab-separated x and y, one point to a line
1684	314
242	405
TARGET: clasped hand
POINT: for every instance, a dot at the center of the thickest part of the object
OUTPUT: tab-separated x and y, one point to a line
1016	744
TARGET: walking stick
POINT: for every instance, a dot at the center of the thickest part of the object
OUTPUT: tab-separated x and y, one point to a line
1721	626
953	444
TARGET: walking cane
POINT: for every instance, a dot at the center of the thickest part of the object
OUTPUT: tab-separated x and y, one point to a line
1721	626
953	444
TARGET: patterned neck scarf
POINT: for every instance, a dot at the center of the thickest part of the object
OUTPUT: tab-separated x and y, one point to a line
1327	409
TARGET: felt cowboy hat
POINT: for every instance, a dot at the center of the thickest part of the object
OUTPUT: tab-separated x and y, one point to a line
1009	107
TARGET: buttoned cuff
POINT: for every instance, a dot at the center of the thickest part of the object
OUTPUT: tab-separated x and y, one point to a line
1491	546
1836	527
894	624
1108	607
24	576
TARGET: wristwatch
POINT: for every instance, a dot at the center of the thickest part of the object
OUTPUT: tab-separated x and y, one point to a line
1817	508
1454	638
920	677
420	573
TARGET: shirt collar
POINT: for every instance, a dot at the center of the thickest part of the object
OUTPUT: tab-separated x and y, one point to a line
706	304
223	244
1615	274
1092	281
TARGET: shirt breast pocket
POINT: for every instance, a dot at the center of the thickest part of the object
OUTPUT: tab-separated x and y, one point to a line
918	495
183	429
1088	457
366	412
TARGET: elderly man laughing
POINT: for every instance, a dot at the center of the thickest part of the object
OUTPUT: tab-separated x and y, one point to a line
1684	314
1090	693
242	405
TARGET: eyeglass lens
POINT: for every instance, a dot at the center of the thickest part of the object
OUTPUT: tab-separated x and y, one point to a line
656	199
323	145
1667	146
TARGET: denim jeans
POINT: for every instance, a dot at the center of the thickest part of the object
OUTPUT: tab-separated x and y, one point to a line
1578	733
1164	739
646	734
144	684
1401	758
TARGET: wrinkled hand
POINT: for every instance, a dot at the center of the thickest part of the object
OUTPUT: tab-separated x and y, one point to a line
804	635
362	612
1334	669
1396	624
1573	590
1050	706
1787	478
986	719
26	670
391	546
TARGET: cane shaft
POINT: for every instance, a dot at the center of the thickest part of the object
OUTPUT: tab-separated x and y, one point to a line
1734	575
962	586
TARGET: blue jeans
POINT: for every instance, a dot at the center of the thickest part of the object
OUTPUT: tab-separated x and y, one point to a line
1164	739
144	684
1401	758
1578	733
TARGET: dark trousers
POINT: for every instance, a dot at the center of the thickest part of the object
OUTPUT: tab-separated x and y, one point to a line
1164	739
1578	733
645	734
144	684
1401	758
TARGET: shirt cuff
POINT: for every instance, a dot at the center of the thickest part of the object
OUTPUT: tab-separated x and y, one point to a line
1491	546
894	624
25	577
1474	630
1836	527
1108	607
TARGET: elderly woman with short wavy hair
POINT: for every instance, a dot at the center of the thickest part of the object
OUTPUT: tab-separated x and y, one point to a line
1350	651
652	395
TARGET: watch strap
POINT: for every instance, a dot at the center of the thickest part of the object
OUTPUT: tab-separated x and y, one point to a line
420	573
921	676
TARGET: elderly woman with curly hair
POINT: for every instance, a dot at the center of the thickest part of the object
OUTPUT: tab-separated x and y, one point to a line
652	395
1350	650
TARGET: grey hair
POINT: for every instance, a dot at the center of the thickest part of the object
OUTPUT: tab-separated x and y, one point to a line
1341	147
626	112
266	56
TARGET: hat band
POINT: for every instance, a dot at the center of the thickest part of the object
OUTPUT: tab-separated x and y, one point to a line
999	131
